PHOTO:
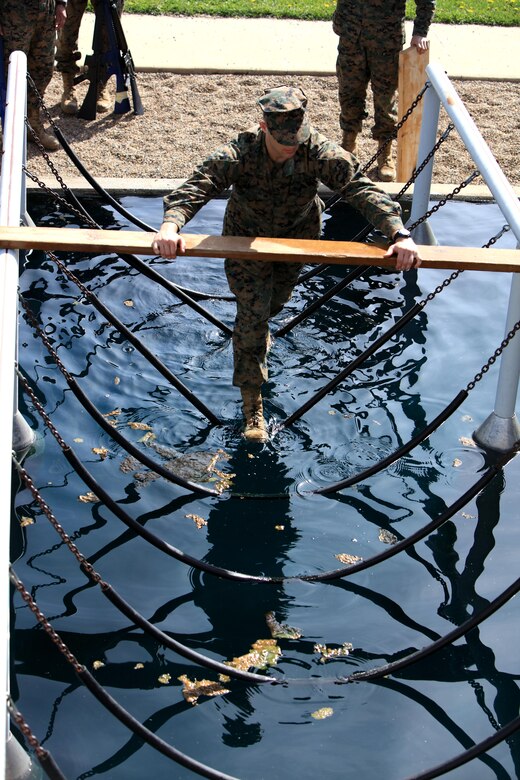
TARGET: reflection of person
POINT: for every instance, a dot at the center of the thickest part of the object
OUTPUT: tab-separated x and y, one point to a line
68	54
274	170
371	35
31	27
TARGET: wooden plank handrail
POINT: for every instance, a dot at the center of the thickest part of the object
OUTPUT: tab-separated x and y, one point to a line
258	248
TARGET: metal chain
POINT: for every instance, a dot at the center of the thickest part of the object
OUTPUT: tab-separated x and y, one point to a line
443	137
496	354
86	292
83	562
56	639
22	724
444	200
41	410
398	126
42	335
54	195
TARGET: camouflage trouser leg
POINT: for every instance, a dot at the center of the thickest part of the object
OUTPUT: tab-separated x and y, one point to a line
353	76
356	65
29	27
67	52
384	75
261	290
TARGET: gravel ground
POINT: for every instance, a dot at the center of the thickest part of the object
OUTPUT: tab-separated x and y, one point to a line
188	115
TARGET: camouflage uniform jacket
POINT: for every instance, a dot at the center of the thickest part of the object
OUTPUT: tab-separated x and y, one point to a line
279	200
380	21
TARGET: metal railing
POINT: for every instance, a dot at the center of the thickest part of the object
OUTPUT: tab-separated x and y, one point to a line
501	430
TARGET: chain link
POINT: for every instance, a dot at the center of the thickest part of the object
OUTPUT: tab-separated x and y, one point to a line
496	354
445	200
413	105
22	724
429	156
42	620
83	562
41	411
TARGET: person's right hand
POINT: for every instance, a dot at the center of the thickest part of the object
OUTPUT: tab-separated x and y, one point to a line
167	242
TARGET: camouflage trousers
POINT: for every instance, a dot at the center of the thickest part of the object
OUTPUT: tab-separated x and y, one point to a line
356	66
261	290
67	51
30	27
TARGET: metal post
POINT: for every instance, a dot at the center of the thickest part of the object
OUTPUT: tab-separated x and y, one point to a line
423	233
501	430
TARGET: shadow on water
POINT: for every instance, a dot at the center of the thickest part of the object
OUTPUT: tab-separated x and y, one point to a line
269	525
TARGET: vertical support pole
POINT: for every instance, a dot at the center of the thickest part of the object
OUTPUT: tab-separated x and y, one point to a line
412	78
422	187
501	430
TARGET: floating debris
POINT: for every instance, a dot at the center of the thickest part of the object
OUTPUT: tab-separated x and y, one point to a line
113	413
263	653
193	689
139	666
467	442
117	380
128	302
198	520
165	679
457	462
347	558
387	537
25	521
97	665
281	630
139	426
467	516
322	713
279	528
333	652
89	498
101	451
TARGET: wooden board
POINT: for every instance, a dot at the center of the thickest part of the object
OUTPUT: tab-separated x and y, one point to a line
412	78
265	249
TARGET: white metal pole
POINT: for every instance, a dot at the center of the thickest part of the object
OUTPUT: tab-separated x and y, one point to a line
422	186
501	430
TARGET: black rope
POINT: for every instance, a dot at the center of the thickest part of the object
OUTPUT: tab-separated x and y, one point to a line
447	639
353	274
395	328
398	453
138	344
127	445
474	752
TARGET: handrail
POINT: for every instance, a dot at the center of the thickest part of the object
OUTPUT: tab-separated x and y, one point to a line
11	194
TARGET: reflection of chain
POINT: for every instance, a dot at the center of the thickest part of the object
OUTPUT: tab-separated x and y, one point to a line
40	617
398	126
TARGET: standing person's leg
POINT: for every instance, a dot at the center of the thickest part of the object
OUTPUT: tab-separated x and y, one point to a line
40	65
104	100
252	283
353	76
68	54
384	67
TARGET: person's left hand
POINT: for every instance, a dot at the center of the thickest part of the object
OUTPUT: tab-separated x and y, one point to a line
60	16
407	253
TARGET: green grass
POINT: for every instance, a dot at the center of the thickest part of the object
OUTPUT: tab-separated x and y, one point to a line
495	12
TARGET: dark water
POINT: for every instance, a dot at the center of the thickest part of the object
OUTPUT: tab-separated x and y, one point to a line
395	728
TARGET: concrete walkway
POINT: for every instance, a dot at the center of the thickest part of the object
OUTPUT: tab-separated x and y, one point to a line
203	44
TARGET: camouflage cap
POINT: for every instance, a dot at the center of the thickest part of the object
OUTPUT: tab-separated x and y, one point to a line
285	115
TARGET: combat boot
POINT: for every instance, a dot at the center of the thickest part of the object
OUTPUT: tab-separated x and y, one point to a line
349	142
104	99
47	140
255	429
69	101
385	163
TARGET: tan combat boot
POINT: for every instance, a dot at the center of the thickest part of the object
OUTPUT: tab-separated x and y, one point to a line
104	99
349	142
255	429
69	101
385	163
47	140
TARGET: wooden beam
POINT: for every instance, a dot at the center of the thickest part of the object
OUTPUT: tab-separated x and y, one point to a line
412	78
243	248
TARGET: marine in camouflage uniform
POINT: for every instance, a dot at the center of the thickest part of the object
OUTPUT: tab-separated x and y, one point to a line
371	35
30	27
68	54
275	199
